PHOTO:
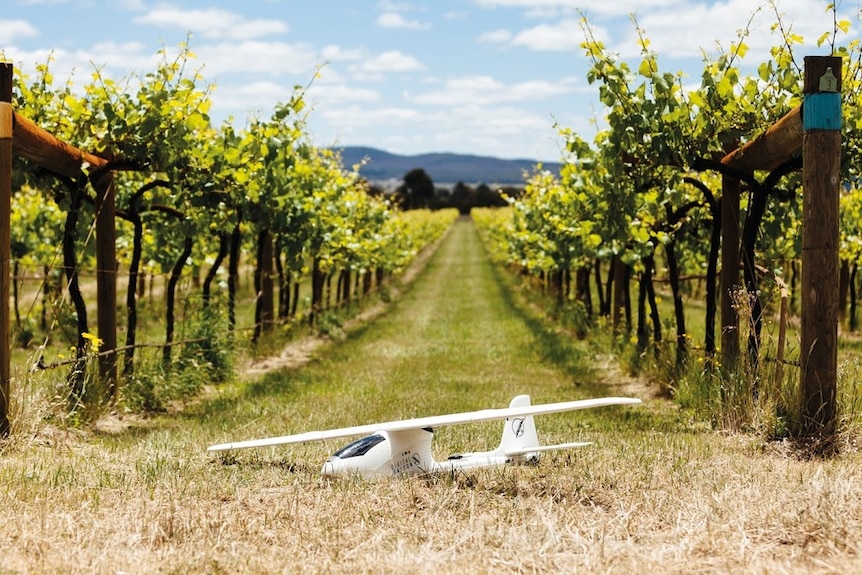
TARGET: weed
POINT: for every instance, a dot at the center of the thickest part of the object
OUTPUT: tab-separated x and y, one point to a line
210	346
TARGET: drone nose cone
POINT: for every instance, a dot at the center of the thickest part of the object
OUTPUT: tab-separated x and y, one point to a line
328	469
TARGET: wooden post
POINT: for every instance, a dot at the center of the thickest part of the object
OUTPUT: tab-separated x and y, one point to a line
821	157
106	278
619	295
5	241
729	280
267	284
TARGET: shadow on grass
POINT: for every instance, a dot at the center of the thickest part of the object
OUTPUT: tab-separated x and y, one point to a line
136	430
282	384
636	418
555	348
254	461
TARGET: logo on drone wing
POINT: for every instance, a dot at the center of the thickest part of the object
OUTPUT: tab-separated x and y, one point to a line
518	426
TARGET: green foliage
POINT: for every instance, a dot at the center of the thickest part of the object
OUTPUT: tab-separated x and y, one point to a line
182	179
154	389
623	194
159	127
36	226
207	357
210	347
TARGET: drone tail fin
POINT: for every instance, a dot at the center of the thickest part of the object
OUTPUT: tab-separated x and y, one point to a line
520	439
519	434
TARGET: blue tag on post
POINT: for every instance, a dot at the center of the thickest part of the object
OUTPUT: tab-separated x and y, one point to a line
821	111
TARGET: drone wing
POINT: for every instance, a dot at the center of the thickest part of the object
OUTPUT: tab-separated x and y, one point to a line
432	421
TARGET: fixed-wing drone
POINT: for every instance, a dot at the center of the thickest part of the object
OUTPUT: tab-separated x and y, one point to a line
403	448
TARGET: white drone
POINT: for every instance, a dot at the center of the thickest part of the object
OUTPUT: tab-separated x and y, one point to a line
403	448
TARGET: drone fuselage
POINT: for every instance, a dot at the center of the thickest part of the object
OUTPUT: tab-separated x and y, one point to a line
408	453
383	454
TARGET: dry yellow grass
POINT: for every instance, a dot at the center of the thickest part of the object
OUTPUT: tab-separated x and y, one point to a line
657	493
653	502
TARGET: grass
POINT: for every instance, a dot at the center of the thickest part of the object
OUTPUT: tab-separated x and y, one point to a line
659	491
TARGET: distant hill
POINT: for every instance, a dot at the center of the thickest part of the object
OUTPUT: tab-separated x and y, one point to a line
443	168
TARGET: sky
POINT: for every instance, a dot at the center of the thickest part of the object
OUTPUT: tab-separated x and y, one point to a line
485	77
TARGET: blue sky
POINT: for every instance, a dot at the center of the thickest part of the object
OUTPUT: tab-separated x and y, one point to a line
488	77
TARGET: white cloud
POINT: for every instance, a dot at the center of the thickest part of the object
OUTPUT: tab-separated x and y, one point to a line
675	28
680	33
243	101
212	23
521	3
134	5
551	8
268	58
359	125
500	36
485	90
64	64
565	35
331	94
390	6
258	99
395	20
464	90
391	61
11	30
116	61
123	57
465	129
344	114
328	74
335	53
349	118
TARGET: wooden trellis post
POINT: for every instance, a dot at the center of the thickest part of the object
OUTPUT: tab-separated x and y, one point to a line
821	160
729	280
5	240
106	277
